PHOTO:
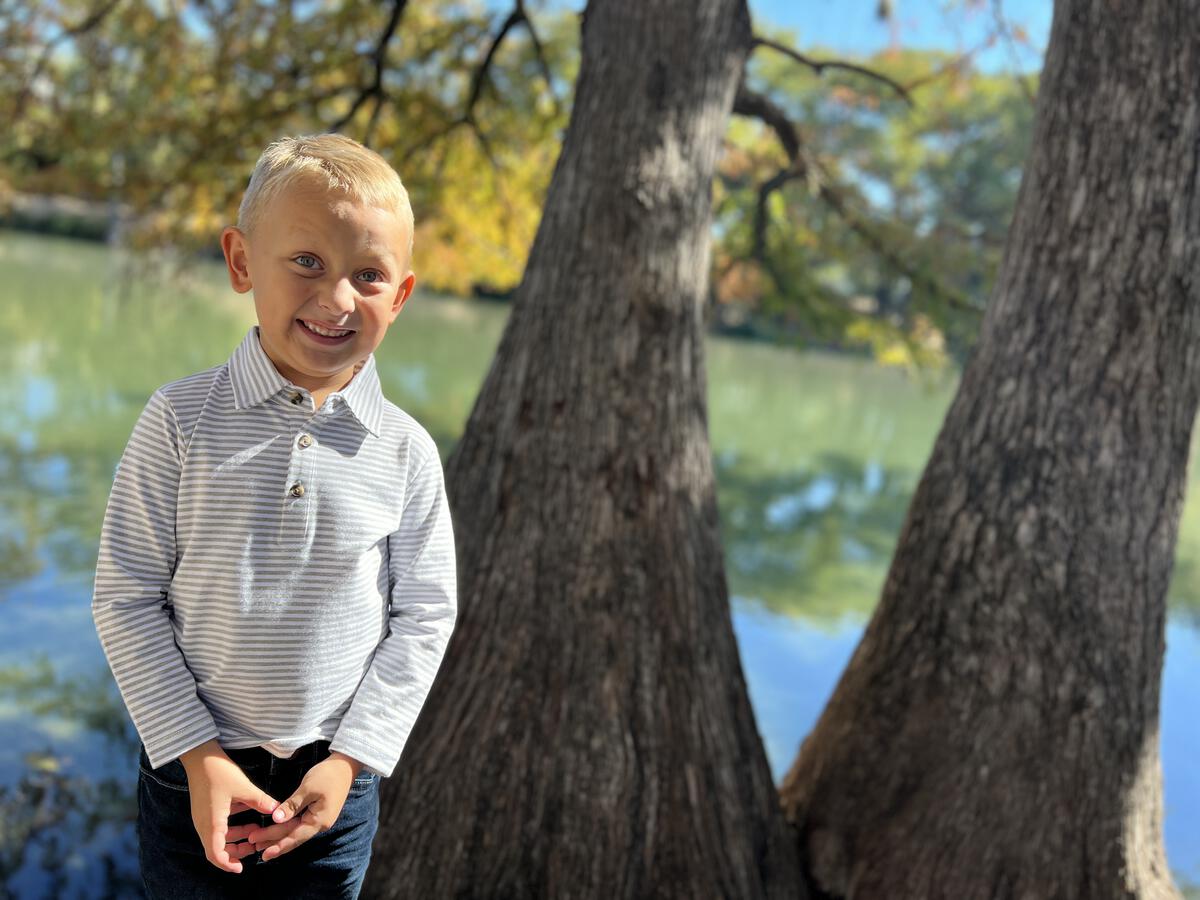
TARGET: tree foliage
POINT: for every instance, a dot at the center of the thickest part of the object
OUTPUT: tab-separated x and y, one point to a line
884	231
902	256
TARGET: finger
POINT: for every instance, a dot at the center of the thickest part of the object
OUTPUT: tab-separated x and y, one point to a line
220	856
283	845
260	801
238	851
307	827
240	832
273	832
274	851
217	836
223	860
219	839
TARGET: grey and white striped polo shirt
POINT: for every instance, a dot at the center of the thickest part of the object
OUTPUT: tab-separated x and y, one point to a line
270	574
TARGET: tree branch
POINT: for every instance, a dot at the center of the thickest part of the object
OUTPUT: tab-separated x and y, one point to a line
373	121
1006	34
540	54
430	138
379	60
92	20
858	224
754	105
481	73
802	165
215	142
518	16
957	63
758	106
819	66
765	190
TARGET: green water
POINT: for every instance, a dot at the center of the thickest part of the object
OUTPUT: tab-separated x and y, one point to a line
816	457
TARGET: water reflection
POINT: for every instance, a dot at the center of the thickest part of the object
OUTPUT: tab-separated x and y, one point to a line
814	542
66	792
67	836
816	459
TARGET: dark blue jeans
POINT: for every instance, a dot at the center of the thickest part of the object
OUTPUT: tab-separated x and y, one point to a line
330	864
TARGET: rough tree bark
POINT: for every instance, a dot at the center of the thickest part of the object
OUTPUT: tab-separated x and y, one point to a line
996	732
590	733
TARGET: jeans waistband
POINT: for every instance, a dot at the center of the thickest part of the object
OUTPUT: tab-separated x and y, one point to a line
309	753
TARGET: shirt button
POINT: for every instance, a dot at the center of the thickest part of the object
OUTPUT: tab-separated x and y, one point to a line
304	441
296	490
297	397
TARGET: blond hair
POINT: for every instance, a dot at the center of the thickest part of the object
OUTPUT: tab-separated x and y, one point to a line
338	161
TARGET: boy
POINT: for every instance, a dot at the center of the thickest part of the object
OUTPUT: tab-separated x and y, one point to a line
275	586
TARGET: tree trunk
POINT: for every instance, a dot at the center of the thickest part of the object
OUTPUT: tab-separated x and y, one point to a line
590	733
996	732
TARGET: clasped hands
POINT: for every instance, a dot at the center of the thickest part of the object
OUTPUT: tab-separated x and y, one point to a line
219	788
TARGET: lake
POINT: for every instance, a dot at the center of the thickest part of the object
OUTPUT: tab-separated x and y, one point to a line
816	459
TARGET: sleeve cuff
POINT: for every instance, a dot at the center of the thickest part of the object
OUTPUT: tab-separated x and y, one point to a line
163	750
372	760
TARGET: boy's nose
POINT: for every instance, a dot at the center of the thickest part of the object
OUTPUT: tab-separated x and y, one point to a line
341	298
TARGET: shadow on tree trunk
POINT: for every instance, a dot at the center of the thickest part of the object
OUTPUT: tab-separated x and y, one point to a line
590	733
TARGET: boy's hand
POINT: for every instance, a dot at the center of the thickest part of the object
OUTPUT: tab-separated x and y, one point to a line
319	797
219	788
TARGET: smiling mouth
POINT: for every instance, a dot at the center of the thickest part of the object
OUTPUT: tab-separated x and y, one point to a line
328	334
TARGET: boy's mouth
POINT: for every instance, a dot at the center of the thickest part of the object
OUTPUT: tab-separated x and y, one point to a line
324	334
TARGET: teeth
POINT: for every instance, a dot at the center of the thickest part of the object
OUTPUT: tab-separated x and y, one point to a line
325	331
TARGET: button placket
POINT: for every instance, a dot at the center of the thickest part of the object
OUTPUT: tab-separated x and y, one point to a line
295	522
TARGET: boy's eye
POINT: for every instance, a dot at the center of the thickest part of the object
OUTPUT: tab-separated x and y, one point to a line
303	256
378	276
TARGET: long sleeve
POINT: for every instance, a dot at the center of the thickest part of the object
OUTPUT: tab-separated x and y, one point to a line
424	604
134	568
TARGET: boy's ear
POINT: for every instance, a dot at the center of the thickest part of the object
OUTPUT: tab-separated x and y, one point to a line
233	244
403	293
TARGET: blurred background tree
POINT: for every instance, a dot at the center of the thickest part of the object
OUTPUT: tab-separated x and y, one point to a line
876	227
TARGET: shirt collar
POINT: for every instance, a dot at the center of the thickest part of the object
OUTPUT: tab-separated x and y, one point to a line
254	379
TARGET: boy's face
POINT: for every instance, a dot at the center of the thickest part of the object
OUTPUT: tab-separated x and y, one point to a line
318	258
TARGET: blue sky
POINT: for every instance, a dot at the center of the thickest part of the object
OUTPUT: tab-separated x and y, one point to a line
851	26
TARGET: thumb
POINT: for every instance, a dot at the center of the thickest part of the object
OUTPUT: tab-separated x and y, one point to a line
288	808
